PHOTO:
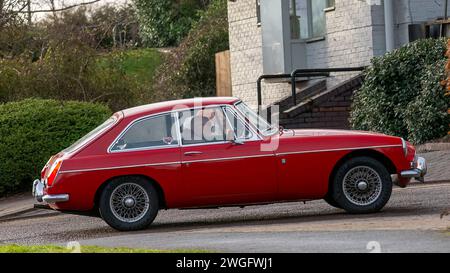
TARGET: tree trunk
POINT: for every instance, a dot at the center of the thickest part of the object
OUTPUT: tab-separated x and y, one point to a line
29	12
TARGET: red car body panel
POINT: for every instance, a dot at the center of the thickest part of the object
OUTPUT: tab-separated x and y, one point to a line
223	174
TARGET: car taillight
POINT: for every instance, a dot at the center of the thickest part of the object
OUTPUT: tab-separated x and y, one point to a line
53	172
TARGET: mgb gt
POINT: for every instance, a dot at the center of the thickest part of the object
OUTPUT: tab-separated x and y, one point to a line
213	152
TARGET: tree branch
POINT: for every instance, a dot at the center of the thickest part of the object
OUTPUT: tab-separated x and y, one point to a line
63	8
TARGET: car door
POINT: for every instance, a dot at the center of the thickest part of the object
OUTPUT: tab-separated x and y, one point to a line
222	163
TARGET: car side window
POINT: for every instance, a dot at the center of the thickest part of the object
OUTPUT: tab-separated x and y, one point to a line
158	131
240	130
205	125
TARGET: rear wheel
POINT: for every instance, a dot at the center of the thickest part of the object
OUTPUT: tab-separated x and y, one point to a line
361	185
129	203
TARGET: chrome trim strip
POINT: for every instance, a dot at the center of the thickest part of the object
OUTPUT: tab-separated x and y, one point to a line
146	148
226	158
121	167
177	126
233	110
340	149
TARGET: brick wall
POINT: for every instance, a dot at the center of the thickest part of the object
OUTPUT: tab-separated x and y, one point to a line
330	110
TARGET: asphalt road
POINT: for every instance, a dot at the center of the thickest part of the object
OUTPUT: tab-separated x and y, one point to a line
409	223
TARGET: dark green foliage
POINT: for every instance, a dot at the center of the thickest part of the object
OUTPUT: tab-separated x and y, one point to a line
190	70
166	23
426	117
32	130
401	90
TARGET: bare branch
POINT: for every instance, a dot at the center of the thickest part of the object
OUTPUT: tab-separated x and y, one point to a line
63	8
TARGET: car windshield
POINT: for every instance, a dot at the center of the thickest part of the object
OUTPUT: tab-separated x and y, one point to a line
101	128
260	123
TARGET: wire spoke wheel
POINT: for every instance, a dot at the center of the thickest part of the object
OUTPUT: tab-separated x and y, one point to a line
129	202
362	185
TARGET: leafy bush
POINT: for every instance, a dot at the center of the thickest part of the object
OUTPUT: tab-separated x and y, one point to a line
402	95
190	70
32	130
426	117
166	23
70	71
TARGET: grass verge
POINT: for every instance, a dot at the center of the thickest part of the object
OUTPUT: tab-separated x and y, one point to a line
87	249
139	64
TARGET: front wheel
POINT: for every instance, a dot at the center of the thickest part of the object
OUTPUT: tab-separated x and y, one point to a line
129	203
362	185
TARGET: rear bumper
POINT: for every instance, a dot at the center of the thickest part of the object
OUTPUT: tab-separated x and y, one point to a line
38	193
418	170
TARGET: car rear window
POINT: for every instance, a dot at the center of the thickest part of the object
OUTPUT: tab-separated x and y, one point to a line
150	132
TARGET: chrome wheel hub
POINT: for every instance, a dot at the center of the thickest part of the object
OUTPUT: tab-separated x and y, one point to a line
129	202
362	185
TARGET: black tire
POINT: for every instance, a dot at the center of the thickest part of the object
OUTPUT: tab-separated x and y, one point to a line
146	215
329	199
360	173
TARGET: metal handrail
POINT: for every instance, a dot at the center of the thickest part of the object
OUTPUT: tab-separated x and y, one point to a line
315	72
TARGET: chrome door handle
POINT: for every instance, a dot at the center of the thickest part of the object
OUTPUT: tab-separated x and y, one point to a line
192	153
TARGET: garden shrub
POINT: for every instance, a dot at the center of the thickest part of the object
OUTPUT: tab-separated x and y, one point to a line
402	94
70	71
32	130
166	23
190	70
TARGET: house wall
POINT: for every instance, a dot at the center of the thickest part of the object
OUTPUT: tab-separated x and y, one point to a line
415	11
246	55
355	34
348	41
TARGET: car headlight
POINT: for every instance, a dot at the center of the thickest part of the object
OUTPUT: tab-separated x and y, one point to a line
405	147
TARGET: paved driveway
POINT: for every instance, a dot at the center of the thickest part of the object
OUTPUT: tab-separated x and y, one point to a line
410	223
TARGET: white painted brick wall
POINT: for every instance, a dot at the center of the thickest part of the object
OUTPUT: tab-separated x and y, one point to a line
355	33
246	55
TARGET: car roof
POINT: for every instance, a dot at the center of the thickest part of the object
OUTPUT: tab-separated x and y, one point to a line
166	106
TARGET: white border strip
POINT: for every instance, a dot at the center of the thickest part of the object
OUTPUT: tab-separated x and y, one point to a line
228	158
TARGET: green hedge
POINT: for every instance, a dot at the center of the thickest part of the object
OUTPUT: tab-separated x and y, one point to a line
32	130
402	94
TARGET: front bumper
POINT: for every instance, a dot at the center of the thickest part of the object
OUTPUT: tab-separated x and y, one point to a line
38	193
418	170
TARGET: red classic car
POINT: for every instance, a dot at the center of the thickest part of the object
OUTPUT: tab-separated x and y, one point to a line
217	152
